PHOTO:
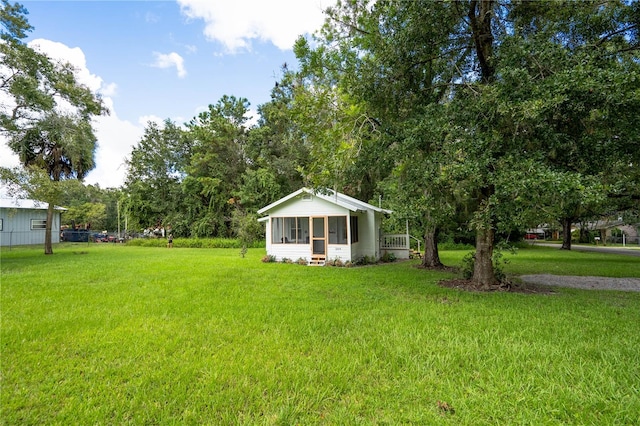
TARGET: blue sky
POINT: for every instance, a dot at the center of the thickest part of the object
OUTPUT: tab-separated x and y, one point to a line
153	60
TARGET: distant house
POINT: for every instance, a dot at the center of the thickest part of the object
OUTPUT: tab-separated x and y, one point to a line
327	226
23	222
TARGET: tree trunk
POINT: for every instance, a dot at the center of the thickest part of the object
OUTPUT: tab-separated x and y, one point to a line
566	233
48	247
480	14
483	274
431	258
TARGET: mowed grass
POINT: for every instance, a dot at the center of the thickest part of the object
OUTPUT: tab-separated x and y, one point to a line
109	334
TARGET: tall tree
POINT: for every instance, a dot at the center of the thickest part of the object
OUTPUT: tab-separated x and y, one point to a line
276	149
216	165
579	77
61	144
518	82
155	171
396	61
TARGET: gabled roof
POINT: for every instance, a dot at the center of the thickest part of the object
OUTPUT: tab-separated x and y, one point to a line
330	196
23	203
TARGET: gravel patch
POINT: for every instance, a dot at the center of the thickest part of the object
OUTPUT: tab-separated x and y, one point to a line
587	283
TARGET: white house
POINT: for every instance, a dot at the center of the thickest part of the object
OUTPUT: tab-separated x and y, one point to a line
23	222
320	227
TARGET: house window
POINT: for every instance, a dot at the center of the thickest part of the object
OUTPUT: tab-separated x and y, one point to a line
290	230
38	224
354	229
1	224
276	230
337	230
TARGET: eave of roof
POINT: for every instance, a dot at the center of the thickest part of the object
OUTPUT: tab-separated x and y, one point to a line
337	198
23	203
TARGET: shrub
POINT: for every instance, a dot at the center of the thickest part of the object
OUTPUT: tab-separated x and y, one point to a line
286	260
366	260
468	263
268	258
207	243
388	257
302	261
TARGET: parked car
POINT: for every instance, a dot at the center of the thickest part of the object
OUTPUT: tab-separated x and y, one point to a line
75	235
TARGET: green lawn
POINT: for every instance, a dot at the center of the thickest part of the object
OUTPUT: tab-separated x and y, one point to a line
109	334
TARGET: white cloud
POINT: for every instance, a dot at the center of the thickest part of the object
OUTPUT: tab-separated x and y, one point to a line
252	117
236	23
109	90
75	56
115	136
153	118
170	60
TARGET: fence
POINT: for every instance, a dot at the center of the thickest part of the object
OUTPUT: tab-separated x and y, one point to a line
395	242
623	240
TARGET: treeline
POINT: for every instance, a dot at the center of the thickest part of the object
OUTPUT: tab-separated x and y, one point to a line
476	115
469	119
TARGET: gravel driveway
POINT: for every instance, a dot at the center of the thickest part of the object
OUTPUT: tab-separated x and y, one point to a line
588	283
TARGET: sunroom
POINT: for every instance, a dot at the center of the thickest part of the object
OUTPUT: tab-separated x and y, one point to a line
321	226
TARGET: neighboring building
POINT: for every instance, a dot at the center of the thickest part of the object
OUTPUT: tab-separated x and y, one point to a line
320	227
613	230
23	222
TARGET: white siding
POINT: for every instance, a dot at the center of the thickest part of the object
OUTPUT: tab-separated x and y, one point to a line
369	223
290	251
313	207
368	239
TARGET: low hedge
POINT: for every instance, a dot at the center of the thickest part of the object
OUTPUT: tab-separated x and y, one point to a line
194	243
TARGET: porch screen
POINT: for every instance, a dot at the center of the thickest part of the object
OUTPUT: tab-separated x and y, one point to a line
337	230
290	230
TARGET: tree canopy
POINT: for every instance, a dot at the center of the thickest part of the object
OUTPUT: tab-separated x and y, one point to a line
47	116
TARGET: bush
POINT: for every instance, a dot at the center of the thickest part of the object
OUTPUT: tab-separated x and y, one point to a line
388	257
468	263
366	260
206	243
269	258
302	261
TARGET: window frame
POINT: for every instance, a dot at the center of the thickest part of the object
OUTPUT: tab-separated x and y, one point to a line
291	230
38	224
337	240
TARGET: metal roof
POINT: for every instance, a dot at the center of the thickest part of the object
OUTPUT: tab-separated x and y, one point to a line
331	196
23	203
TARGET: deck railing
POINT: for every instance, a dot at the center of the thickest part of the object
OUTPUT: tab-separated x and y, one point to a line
395	242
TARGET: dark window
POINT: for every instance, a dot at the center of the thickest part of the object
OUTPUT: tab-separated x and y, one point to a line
337	229
354	229
38	224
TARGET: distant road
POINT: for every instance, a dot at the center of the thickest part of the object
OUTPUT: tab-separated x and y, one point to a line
602	249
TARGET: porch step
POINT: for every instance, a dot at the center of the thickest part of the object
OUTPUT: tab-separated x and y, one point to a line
317	260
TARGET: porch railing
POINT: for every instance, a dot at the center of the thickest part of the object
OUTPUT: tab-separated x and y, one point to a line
395	242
